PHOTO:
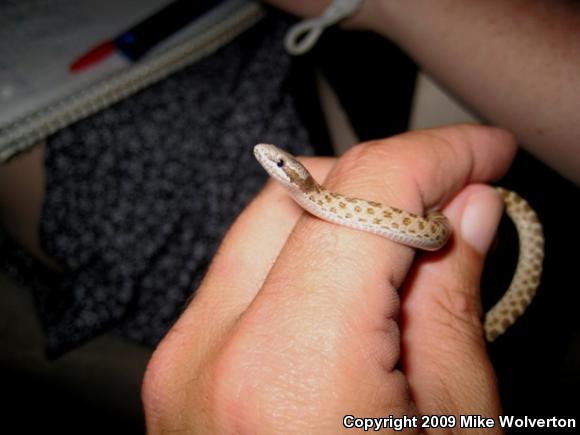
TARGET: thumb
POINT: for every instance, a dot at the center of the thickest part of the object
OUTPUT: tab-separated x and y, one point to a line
444	355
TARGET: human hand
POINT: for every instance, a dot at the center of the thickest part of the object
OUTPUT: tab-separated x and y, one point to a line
299	322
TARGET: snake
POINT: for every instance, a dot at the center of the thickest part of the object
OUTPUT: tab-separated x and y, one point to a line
430	232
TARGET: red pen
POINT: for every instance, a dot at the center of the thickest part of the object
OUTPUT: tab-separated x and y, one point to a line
139	39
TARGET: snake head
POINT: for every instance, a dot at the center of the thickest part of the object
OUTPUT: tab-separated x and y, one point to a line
284	168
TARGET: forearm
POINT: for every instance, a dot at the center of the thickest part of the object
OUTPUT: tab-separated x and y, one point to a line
514	62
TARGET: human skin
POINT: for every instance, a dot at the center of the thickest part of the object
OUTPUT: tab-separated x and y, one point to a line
300	322
516	62
22	188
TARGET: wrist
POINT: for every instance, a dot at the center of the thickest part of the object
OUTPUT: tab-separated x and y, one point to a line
391	19
371	17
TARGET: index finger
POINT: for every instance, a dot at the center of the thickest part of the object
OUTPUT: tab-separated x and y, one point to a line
416	171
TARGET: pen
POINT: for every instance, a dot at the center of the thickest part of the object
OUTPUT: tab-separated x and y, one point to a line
139	39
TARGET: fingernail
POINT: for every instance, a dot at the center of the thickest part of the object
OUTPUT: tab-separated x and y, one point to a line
480	219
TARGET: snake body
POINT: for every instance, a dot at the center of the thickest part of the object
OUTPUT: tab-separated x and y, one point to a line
430	232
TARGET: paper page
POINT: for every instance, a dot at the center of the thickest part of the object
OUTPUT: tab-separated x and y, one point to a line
39	39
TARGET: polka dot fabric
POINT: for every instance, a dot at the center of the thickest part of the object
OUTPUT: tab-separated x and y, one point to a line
139	195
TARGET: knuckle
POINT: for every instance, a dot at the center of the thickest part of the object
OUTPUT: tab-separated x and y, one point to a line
178	399
371	159
386	167
156	390
460	311
174	380
354	156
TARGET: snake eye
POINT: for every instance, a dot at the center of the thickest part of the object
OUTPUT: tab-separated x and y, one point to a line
280	163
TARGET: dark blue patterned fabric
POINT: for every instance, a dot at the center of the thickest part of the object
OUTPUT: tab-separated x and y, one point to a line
139	195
